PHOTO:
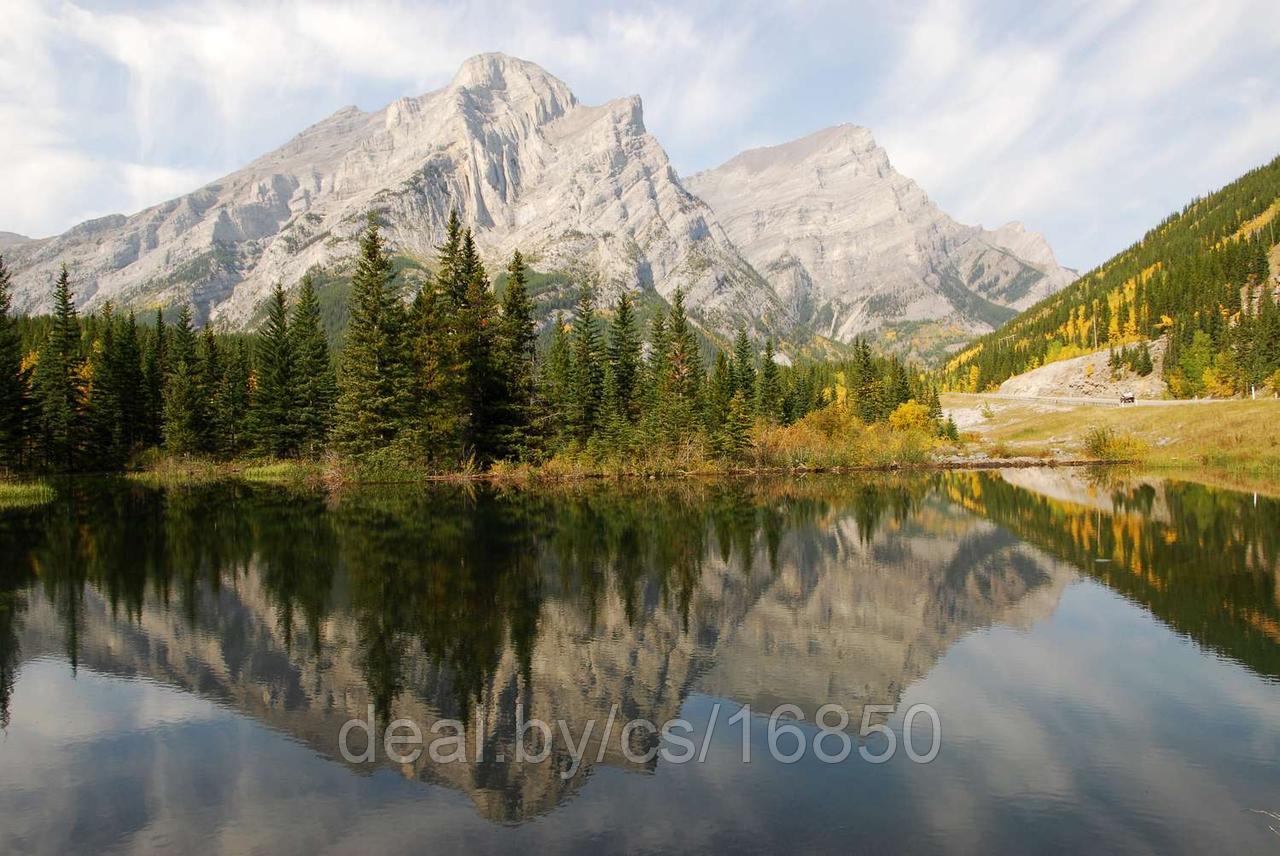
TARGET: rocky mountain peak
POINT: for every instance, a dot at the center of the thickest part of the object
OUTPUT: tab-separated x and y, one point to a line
853	247
817	234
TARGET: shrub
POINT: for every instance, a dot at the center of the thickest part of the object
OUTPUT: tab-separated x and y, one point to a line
1107	444
910	414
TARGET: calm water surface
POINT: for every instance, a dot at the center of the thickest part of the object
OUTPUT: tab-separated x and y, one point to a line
1102	657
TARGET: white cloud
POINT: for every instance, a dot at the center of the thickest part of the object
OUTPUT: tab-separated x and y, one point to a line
1088	122
1126	110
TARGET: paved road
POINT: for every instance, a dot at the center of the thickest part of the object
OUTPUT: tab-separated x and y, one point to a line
1100	402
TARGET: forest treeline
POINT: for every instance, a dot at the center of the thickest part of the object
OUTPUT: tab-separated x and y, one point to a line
451	379
1200	278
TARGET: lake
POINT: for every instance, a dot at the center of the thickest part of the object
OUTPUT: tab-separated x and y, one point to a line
1001	661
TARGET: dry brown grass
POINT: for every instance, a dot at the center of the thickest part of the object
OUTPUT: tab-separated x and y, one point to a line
1232	436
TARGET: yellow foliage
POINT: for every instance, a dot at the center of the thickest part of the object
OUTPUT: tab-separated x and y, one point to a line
1217	384
910	414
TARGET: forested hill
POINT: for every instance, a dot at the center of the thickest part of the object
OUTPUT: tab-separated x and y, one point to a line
1196	278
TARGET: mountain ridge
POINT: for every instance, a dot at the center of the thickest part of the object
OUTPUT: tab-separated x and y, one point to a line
850	244
582	190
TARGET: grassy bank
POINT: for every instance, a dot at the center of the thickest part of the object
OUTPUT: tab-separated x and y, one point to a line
821	445
1240	437
24	494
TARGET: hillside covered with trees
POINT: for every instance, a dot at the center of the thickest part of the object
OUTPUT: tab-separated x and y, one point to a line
1200	278
452	379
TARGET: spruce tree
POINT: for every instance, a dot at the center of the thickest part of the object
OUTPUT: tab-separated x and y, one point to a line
769	389
276	398
104	447
655	375
184	405
737	426
450	270
744	365
517	346
210	379
624	358
154	369
720	392
130	384
15	396
684	361
375	378
232	403
588	369
934	404
479	348
440	425
59	385
557	379
317	388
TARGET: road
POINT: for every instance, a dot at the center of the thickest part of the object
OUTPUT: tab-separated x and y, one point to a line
978	397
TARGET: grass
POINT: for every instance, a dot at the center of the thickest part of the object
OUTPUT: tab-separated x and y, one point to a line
24	494
1241	437
165	471
829	440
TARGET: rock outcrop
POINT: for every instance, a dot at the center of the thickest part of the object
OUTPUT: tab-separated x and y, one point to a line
851	245
505	143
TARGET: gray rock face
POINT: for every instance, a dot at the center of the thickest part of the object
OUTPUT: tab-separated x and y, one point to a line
507	144
849	244
817	235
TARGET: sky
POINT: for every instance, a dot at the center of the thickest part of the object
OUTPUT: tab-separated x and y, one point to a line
1088	122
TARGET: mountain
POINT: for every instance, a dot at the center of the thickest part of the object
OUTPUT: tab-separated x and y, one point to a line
12	239
1203	281
852	246
506	143
814	241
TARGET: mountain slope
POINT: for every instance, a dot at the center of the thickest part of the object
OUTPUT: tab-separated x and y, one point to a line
1196	279
852	246
506	143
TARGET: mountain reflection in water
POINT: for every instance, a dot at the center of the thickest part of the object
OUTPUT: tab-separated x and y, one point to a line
300	609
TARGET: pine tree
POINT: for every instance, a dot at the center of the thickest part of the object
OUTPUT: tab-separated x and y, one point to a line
317	388
276	428
683	380
184	407
720	391
737	426
478	345
375	381
1143	365
440	426
588	368
450	273
209	378
59	385
934	404
130	383
655	374
518	347
154	369
15	395
232	402
768	394
744	366
108	443
624	358
557	379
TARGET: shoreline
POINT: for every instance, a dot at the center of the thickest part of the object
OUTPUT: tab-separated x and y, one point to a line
326	474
